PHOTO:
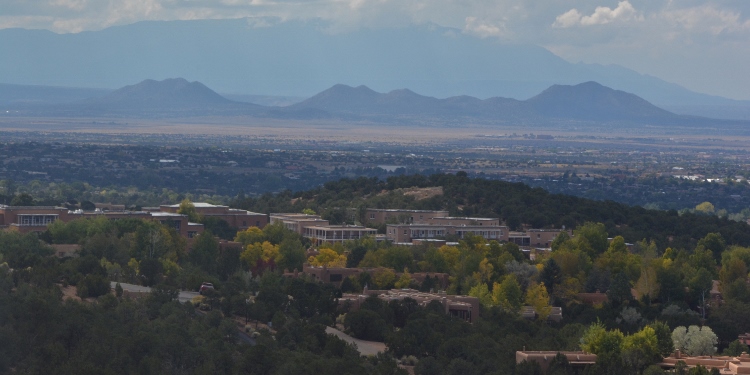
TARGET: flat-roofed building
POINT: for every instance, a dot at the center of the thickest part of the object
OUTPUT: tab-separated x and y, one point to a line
544	237
240	219
337	233
463	307
382	216
27	219
468	221
401	233
297	222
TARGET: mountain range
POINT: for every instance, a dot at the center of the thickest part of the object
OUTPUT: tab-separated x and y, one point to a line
301	58
588	102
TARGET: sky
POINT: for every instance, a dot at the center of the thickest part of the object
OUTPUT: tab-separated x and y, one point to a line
701	45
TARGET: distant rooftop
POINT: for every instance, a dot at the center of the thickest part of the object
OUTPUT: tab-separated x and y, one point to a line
197	205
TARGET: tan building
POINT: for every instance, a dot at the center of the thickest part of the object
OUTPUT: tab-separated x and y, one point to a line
544	237
725	364
241	219
463	307
383	216
403	233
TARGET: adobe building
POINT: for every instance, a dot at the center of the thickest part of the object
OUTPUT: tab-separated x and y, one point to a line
383	216
543	358
462	307
241	219
464	221
725	364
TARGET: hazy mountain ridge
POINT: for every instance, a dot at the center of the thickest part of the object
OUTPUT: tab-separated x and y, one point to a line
300	58
587	102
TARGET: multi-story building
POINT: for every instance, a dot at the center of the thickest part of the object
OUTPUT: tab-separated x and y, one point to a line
403	233
32	218
337	233
36	218
383	216
240	219
319	230
544	237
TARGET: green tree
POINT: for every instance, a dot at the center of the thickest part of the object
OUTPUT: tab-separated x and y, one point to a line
641	349
508	294
291	254
537	297
205	252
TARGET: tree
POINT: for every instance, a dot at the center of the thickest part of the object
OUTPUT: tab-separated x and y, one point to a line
366	325
736	348
701	284
23	199
641	349
508	294
705	208
663	338
619	291
482	292
188	208
605	344
250	236
404	281
384	278
595	235
551	275
205	252
695	340
327	258
537	297
292	254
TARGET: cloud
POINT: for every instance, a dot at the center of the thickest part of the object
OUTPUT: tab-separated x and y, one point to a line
484	30
706	19
624	12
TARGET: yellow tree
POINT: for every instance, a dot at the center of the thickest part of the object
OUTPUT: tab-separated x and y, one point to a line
259	252
250	236
537	297
328	258
508	294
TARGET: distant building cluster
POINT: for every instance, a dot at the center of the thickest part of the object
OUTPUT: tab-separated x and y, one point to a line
36	218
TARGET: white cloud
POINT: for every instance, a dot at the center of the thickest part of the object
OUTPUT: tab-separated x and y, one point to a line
624	12
484	30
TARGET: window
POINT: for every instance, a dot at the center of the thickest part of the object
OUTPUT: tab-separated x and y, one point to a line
192	234
244	223
336	277
372	216
406	231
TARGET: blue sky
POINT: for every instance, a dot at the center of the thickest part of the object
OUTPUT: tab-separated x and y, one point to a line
702	45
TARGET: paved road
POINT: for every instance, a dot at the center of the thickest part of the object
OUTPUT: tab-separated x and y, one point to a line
364	347
184	296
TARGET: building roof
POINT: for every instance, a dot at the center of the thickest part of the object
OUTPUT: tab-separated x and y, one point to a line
197	205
